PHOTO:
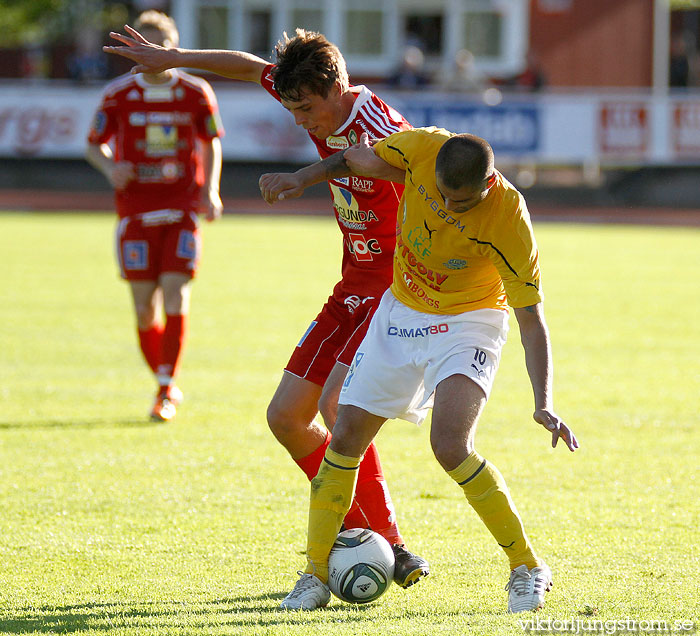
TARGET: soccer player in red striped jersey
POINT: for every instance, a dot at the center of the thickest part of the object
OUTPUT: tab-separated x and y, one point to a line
310	80
164	163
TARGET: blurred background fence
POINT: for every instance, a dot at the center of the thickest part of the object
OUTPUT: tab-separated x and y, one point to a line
596	100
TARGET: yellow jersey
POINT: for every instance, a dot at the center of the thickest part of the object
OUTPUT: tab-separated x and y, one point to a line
451	262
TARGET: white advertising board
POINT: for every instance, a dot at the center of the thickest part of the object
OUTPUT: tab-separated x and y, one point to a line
611	128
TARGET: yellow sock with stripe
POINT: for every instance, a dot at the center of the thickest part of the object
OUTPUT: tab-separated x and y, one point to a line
488	494
332	491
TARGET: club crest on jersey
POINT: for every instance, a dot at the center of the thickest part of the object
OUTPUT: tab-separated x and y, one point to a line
352	137
337	143
99	124
455	263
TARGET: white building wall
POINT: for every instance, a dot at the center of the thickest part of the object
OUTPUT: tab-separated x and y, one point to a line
513	37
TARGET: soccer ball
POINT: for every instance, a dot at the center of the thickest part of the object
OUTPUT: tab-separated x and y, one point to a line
360	566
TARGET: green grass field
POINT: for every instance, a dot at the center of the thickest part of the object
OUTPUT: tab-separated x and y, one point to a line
112	525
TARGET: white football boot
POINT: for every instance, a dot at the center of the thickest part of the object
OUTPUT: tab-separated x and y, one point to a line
526	588
308	594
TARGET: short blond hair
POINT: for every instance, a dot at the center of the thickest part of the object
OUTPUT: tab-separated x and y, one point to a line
158	20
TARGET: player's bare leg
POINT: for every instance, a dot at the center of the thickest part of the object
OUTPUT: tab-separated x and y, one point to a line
372	493
291	416
148	302
458	403
328	402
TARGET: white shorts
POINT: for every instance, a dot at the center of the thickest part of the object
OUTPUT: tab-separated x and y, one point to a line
407	353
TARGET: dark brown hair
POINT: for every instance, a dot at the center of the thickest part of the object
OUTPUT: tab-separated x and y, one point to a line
308	63
464	160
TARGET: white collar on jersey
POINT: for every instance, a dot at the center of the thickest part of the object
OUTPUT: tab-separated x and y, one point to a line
363	96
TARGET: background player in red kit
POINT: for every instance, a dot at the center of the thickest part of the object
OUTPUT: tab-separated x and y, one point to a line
310	80
165	166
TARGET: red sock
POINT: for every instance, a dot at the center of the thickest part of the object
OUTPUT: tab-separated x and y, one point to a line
150	341
171	348
310	465
372	495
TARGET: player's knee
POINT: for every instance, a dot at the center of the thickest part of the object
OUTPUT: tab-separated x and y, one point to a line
282	419
328	407
145	316
450	453
350	438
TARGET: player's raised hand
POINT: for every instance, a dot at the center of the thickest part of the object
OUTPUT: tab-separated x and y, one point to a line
363	161
360	158
149	57
556	427
277	186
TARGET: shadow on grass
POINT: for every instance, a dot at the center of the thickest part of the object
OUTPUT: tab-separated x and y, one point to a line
97	422
259	610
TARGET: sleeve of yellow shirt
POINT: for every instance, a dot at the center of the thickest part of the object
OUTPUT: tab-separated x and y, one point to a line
518	261
390	150
408	146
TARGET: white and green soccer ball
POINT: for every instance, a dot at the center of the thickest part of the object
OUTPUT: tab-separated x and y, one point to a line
360	566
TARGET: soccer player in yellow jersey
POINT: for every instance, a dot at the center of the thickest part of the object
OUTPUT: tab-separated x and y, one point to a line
465	253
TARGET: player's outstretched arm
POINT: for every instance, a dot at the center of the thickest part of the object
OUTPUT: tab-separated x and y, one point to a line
152	58
534	336
364	162
358	160
276	186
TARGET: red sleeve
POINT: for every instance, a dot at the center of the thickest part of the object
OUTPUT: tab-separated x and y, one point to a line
267	82
104	123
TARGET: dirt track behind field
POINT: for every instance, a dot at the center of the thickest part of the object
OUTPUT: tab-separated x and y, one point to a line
42	200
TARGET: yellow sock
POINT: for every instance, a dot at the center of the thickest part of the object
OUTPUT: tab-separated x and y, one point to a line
488	494
332	491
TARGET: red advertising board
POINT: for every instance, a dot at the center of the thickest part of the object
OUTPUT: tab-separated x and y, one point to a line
685	130
624	129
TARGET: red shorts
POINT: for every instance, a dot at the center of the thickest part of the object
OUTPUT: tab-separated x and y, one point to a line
153	243
333	336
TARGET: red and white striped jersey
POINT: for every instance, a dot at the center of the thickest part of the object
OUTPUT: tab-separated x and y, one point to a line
364	208
155	127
